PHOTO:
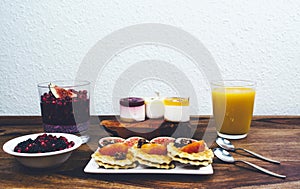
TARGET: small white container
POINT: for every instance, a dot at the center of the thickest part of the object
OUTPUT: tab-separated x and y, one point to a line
132	109
176	109
154	107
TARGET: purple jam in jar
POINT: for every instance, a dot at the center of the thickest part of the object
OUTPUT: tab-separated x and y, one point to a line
65	113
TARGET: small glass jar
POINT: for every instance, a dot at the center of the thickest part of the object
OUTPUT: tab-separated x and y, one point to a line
132	109
176	109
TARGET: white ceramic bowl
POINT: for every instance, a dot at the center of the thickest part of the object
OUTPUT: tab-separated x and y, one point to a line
42	160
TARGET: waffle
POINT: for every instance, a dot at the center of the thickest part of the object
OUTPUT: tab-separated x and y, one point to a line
109	166
152	160
114	155
156	165
112	161
200	158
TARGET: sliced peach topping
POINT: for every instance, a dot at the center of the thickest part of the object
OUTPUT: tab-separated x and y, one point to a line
112	149
194	147
157	149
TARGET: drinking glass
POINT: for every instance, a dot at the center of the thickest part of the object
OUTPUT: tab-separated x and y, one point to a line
233	102
65	106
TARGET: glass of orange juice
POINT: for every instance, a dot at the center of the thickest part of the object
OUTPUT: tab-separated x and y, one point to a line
233	102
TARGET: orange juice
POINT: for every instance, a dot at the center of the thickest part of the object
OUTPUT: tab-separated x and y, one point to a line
232	109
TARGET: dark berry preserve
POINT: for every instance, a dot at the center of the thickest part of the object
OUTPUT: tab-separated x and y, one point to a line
65	110
44	143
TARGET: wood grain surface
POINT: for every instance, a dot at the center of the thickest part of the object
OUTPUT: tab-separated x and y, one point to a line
276	137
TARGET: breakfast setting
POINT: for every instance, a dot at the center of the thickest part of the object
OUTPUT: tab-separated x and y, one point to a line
100	95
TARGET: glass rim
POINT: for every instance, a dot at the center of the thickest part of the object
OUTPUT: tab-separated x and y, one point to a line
233	83
77	83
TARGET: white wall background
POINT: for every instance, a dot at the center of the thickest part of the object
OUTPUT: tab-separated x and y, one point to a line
249	39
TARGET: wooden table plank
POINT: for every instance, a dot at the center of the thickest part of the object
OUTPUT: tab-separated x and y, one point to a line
276	137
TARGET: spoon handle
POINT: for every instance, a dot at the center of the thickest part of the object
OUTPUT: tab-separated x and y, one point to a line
262	169
259	156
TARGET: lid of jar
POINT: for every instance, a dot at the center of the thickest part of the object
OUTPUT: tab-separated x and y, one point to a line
176	101
132	101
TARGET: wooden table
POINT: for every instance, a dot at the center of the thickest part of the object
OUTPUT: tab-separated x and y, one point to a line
275	137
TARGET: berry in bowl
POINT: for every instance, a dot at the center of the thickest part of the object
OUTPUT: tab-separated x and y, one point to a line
65	106
42	150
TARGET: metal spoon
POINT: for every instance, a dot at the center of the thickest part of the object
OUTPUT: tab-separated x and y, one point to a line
227	145
227	157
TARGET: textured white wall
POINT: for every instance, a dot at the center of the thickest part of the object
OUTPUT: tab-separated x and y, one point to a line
250	39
